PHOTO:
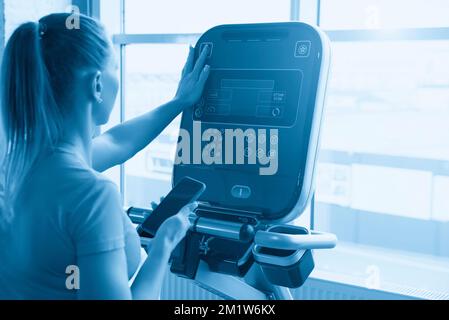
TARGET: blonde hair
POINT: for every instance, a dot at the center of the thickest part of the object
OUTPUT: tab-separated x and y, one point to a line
40	62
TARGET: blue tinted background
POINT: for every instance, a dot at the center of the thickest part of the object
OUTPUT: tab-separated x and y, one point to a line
383	176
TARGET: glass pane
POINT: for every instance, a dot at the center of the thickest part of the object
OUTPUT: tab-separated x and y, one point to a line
114	173
110	15
372	14
19	11
197	16
384	171
393	95
152	75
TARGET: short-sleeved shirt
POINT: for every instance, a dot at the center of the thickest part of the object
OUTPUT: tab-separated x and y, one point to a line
65	210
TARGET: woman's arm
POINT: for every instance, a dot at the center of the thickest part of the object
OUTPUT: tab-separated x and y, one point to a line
148	283
104	276
124	141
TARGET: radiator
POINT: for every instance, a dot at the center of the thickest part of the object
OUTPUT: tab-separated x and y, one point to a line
176	288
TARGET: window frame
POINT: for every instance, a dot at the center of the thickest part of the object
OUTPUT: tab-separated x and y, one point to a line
88	7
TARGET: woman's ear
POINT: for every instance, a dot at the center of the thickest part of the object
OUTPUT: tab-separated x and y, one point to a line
97	87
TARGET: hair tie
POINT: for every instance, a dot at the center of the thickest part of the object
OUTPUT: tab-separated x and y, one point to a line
42	29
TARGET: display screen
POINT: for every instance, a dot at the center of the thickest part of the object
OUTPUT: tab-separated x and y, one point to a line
267	97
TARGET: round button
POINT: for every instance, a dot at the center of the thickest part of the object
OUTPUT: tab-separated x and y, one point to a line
211	109
276	112
199	113
241	192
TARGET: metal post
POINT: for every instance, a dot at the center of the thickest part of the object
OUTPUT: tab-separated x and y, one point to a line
122	93
94	8
88	7
294	10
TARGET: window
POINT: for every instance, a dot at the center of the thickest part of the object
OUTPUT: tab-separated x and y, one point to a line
196	16
19	11
378	14
383	172
152	75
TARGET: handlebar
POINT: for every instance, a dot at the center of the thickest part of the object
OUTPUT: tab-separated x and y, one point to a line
213	227
246	233
313	240
222	229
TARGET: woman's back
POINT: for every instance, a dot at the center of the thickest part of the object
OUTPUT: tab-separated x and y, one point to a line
64	210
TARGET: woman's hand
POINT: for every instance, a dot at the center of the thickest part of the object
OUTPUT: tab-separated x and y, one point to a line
194	77
174	229
149	280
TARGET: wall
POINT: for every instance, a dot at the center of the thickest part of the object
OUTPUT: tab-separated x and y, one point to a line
19	11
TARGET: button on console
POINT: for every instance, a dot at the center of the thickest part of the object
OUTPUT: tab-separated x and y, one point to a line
241	192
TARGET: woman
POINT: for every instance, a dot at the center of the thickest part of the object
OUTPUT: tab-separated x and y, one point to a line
58	85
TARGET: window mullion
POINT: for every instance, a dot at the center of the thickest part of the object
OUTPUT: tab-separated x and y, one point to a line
294	10
176	38
122	93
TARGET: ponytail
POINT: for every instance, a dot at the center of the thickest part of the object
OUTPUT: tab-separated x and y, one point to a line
40	63
30	118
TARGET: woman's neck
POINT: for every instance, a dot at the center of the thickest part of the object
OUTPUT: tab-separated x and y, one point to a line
77	135
79	146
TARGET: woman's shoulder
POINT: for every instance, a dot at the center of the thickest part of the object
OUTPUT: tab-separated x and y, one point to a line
66	176
89	196
86	183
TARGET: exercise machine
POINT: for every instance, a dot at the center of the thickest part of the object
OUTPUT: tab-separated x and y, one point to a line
255	144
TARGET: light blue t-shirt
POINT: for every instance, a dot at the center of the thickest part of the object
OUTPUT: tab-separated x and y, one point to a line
65	210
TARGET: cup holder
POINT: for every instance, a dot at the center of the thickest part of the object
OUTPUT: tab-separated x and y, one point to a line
285	267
